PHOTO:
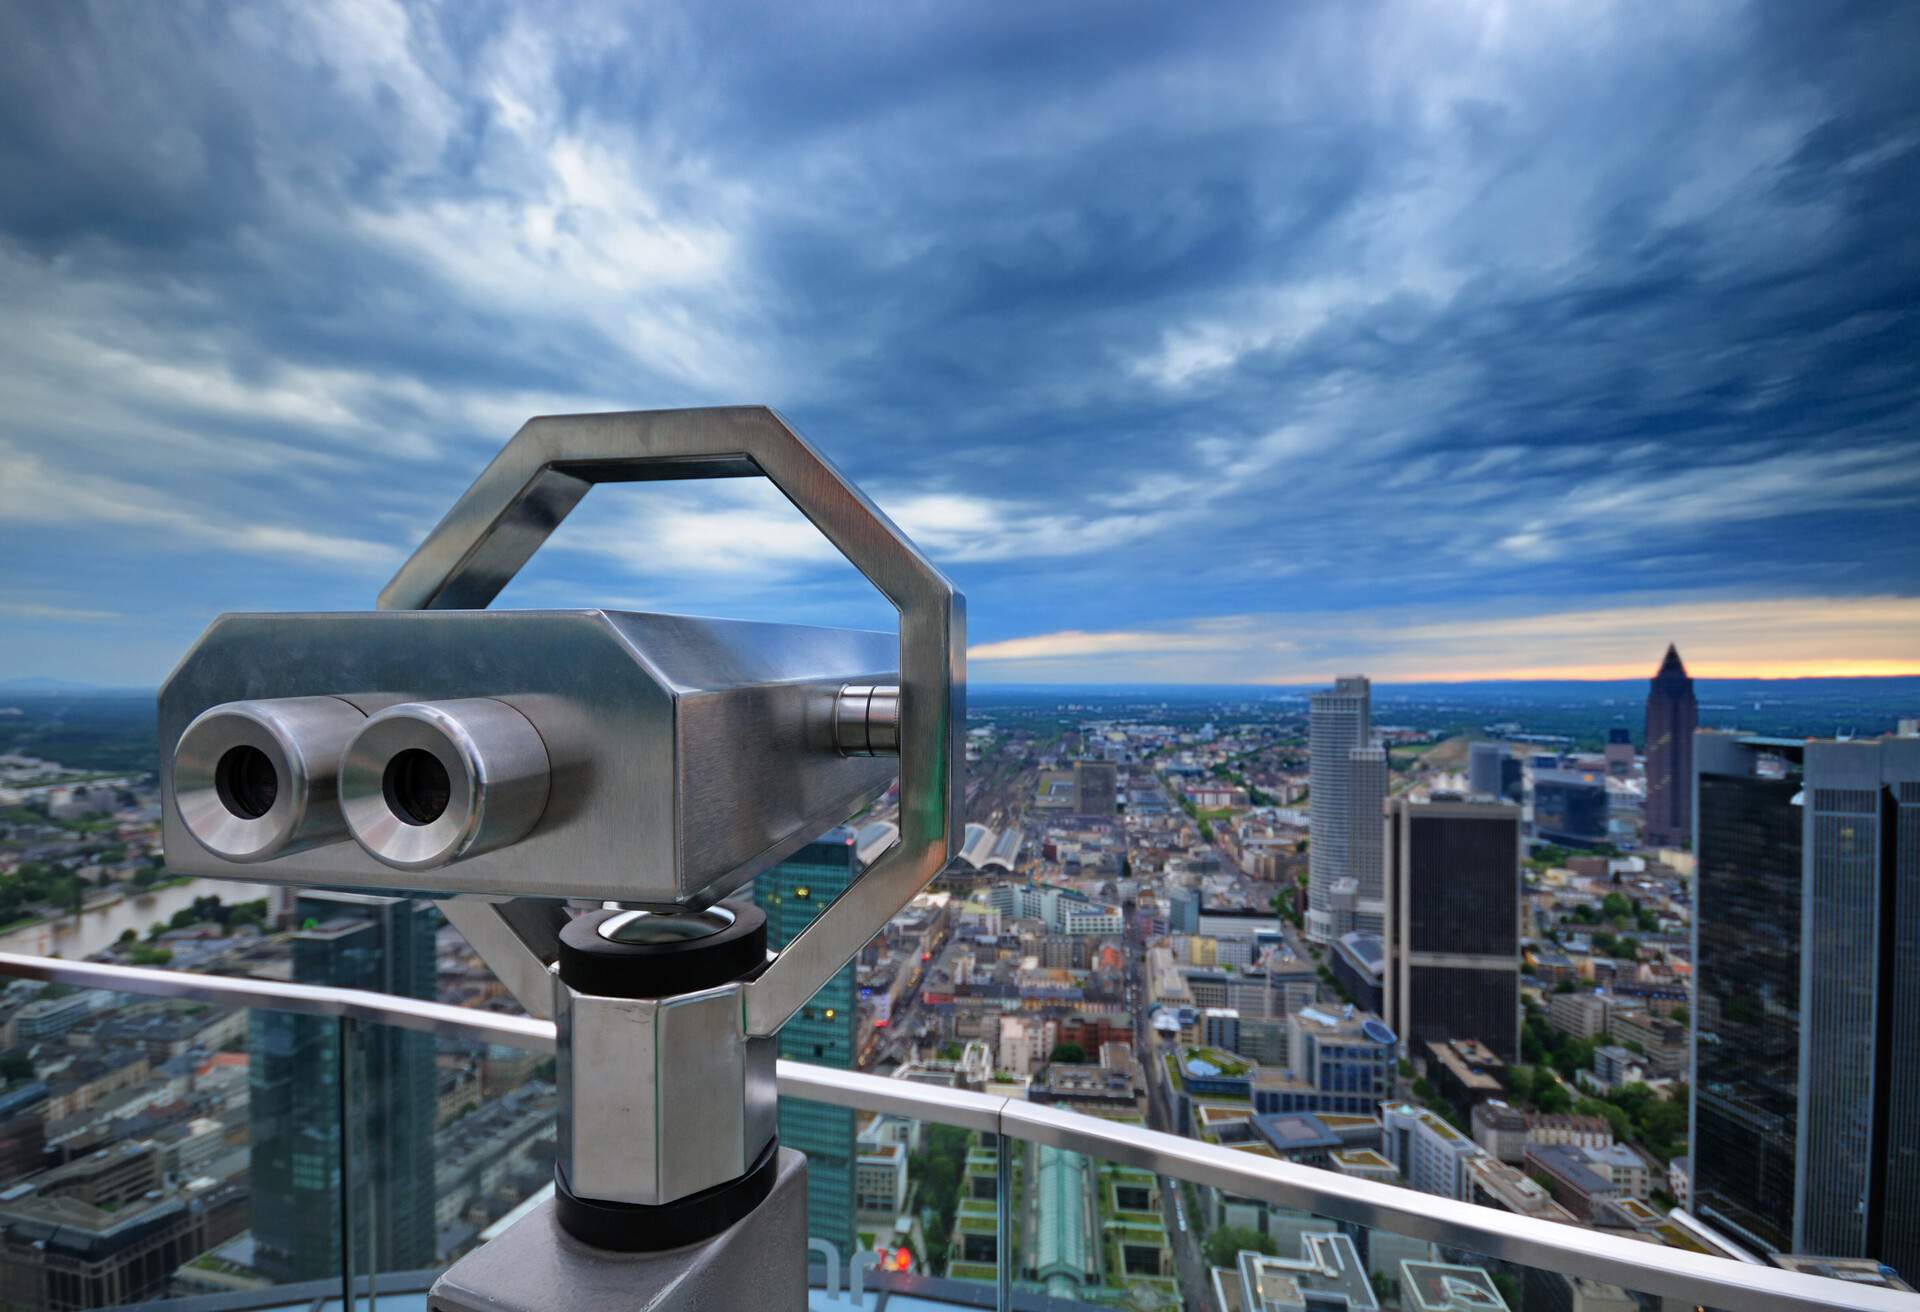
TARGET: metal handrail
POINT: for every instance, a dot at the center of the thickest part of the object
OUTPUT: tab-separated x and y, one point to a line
1696	1278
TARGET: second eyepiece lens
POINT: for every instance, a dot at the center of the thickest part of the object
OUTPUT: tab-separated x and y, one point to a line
417	786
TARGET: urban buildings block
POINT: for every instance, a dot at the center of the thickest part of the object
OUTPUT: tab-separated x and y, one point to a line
1096	788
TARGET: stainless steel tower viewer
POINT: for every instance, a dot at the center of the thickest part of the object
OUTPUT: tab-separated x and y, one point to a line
525	766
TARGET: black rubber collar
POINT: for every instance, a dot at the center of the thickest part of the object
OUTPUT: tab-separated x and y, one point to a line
592	964
636	1228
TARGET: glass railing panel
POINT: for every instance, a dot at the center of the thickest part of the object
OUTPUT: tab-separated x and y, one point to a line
157	1149
448	1136
1235	1252
1092	1232
883	1192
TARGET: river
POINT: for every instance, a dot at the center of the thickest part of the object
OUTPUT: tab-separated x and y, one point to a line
101	924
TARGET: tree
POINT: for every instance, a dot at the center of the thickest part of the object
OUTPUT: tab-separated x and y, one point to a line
1225	1244
1681	1014
128	935
15	1066
1564	986
1070	1054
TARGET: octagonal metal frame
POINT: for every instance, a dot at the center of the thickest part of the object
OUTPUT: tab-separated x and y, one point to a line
528	490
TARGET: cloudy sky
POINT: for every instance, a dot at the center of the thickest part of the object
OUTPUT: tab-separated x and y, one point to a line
1196	342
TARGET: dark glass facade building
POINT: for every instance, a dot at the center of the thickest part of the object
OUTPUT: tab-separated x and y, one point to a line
1672	716
1570	806
1746	1041
1453	923
354	941
1806	1102
822	1033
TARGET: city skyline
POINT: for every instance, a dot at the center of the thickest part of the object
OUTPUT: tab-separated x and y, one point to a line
1437	342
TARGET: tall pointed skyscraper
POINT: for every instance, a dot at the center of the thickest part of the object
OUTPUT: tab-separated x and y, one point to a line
1672	716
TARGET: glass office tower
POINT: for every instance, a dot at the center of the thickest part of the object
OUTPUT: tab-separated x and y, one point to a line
345	940
1747	996
821	1033
1453	923
1806	1102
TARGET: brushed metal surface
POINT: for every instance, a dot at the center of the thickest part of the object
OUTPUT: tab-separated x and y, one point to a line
659	1097
299	739
866	721
551	463
496	767
758	1264
687	754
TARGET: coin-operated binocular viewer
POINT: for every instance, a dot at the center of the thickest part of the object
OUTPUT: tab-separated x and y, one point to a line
522	765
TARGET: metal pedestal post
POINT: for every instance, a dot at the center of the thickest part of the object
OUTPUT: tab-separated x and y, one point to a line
758	1262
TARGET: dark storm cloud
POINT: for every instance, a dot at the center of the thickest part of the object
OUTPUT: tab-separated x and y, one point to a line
1139	318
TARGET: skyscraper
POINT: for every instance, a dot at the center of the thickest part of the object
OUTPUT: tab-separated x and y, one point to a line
821	1033
1340	721
354	941
1672	716
1806	1082
1453	923
1367	796
1483	768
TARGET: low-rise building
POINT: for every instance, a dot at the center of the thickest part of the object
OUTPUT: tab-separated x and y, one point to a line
1464	1072
1446	1287
1431	1155
1583	1015
1576	1181
1494	1183
1327	1276
1661	1044
1569	1130
880	1179
1501	1129
1358	963
1615	1066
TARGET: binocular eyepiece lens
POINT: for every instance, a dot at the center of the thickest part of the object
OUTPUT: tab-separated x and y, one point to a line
246	782
416	786
424	784
256	780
